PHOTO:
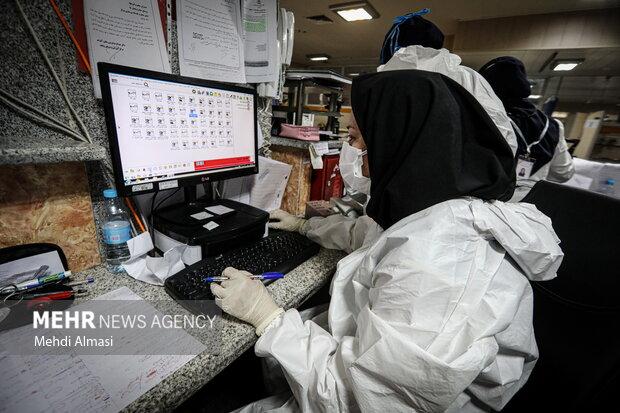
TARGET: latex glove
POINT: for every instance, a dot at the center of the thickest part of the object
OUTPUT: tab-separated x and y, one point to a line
286	221
246	299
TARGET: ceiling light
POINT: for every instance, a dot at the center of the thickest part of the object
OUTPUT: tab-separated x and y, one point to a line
354	74
354	15
533	97
559	115
318	57
355	10
565	65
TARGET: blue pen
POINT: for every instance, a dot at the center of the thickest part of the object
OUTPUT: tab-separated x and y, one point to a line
263	276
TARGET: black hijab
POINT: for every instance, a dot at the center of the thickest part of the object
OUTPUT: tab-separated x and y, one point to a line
508	78
428	141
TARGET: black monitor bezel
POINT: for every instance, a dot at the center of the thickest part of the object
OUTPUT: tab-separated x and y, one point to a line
127	190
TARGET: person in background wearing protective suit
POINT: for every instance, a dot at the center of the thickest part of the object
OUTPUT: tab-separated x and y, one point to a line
542	152
416	43
432	310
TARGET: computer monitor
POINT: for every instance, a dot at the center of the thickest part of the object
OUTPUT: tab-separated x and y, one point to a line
167	131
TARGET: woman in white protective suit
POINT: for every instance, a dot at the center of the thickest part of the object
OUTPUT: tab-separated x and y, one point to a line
432	308
543	152
416	43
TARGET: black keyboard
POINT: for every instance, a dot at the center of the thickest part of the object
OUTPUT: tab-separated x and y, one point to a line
281	251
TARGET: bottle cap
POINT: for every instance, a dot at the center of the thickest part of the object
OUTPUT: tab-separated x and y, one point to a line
109	193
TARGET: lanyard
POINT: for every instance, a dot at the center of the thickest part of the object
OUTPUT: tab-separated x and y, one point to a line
520	134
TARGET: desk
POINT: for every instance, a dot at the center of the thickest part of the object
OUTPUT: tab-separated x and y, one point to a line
237	337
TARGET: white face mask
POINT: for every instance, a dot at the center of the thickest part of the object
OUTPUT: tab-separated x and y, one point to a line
351	162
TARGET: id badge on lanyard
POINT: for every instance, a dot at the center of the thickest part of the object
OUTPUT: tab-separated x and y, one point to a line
525	163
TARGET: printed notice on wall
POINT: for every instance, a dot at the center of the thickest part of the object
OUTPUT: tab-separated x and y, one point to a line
211	40
127	33
260	30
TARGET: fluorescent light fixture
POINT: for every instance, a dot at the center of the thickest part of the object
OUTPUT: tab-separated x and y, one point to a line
566	65
354	15
354	74
533	97
560	67
318	57
355	11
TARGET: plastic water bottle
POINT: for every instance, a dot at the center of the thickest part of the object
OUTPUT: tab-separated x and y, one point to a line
608	187
116	231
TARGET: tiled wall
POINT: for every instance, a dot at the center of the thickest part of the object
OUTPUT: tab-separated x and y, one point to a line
49	203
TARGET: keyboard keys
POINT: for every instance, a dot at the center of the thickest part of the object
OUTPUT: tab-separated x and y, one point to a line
280	251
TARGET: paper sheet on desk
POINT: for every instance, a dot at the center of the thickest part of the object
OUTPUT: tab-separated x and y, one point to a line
152	270
211	40
93	383
123	33
264	190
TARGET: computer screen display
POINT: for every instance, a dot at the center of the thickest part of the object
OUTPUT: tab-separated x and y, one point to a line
170	131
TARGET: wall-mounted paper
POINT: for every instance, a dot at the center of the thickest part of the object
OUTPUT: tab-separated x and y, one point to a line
125	33
211	40
261	48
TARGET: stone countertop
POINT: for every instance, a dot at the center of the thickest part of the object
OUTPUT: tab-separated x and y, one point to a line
237	336
294	143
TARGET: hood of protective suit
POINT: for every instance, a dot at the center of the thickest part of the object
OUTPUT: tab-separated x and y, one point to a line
449	64
422	58
524	232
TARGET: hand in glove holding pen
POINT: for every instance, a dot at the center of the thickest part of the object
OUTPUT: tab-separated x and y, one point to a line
246	299
285	221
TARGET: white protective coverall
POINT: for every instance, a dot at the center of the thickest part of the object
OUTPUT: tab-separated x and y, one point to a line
449	64
559	169
424	316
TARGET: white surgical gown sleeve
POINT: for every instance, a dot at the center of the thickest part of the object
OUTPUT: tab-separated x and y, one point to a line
340	232
416	347
561	167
